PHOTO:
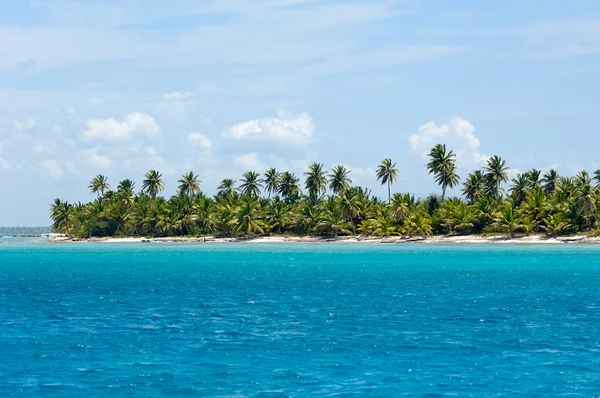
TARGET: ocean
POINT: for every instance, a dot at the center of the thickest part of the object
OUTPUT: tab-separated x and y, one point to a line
276	320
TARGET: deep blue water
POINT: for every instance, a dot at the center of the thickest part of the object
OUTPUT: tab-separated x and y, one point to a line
298	320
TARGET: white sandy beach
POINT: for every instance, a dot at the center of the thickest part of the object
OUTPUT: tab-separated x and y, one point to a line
472	239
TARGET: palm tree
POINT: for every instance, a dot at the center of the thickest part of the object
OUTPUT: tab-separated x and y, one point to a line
507	220
339	180
534	178
519	188
418	224
126	186
316	180
550	181
597	178
288	185
349	206
585	198
496	174
387	173
272	179
332	223
125	191
474	186
226	188
189	184
443	166
99	185
279	215
251	184
247	220
61	214
153	183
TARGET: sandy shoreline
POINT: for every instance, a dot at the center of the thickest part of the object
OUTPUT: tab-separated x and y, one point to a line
533	239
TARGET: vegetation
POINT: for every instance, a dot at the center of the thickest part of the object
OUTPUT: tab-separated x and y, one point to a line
327	204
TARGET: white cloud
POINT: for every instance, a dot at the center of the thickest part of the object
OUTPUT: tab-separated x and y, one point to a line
458	135
178	95
110	130
46	147
26	125
249	161
95	160
362	176
4	164
288	127
51	168
102	100
174	108
197	140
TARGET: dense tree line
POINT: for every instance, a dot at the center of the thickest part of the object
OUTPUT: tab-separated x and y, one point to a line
326	203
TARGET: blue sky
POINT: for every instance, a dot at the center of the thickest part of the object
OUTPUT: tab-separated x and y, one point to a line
221	87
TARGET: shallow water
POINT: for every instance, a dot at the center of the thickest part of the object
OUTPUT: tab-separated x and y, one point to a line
295	320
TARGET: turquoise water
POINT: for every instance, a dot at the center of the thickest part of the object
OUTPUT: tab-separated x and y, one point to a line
298	320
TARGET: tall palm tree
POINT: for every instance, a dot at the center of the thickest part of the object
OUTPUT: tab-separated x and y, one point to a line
443	166
597	178
288	186
99	185
585	198
189	184
272	179
126	186
251	184
533	178
496	174
125	192
387	173
153	183
550	181
474	186
316	180
339	180
226	188
519	187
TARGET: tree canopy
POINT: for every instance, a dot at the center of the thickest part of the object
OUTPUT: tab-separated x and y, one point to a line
328	204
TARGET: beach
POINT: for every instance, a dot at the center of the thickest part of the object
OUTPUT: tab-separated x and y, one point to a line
466	239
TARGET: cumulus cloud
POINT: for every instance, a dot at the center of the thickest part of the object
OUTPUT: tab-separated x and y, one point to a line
362	175
197	140
458	135
178	95
249	161
111	130
96	160
287	127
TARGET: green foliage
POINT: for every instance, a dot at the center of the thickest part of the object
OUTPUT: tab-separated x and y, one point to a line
387	173
536	203
442	165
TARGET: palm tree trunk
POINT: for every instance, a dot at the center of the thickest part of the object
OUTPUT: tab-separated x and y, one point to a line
443	192
389	192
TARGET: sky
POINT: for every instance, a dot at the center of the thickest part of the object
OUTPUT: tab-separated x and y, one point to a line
118	87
